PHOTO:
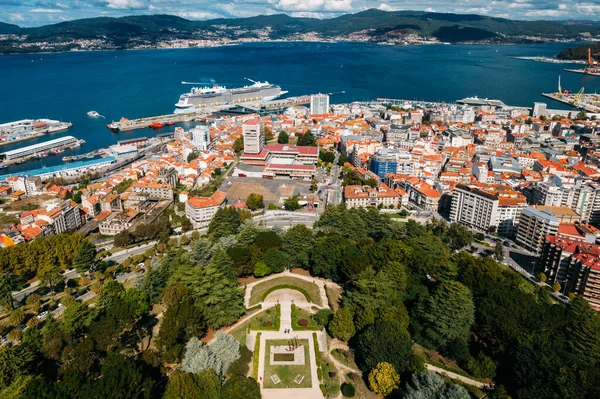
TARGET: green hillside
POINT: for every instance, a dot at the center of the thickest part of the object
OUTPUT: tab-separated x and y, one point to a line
580	52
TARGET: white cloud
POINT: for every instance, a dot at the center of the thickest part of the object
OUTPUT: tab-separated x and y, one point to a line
313	5
197	15
387	7
544	13
16	17
125	4
429	9
588	8
46	10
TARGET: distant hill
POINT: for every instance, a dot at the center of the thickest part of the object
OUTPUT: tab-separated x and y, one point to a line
580	52
376	23
8	28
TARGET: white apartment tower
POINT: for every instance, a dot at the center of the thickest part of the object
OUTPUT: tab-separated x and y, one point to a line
200	137
254	136
319	104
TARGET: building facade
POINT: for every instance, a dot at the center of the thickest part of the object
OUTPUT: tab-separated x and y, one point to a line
534	226
365	196
319	104
254	136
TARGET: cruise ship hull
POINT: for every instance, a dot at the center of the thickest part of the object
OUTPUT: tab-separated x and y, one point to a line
192	102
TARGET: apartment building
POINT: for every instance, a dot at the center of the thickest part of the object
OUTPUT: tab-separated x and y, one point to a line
155	191
30	185
200	210
534	226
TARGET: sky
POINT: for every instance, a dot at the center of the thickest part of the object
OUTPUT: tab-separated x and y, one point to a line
42	12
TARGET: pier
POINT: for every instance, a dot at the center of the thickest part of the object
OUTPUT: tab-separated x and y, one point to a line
207	112
586	102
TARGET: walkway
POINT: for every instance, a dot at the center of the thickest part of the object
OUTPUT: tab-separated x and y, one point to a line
454	376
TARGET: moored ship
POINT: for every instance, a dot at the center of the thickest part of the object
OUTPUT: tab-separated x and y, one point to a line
219	95
479	102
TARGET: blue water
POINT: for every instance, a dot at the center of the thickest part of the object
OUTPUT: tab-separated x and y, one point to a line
144	83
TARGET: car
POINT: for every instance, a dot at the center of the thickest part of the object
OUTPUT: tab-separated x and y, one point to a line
42	315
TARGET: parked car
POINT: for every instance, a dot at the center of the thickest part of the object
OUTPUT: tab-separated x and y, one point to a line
42	315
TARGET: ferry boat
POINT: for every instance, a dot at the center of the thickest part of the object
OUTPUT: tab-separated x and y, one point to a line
156	125
200	97
113	127
476	101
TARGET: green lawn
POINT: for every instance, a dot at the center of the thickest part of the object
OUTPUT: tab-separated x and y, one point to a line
286	373
261	290
271	316
300	314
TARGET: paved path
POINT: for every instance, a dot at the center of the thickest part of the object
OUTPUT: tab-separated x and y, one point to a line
454	376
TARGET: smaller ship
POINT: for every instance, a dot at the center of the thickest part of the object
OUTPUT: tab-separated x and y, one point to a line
156	125
2	166
169	123
94	114
113	127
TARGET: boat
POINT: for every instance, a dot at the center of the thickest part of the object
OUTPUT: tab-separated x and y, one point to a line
113	127
2	166
200	97
156	125
476	101
93	114
169	123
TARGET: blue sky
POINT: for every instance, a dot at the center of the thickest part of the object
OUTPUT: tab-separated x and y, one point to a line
41	12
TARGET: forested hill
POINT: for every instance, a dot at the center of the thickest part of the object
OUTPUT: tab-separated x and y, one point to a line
446	27
580	52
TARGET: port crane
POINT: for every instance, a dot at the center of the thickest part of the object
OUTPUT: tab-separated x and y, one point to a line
592	64
577	98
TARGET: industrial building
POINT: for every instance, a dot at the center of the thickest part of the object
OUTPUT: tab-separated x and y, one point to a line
36	148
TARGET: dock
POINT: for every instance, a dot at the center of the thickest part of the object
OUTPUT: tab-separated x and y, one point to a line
203	113
583	72
586	102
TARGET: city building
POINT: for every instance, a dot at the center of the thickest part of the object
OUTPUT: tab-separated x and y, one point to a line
30	185
319	104
365	196
200	137
390	160
155	191
36	148
534	226
200	210
253	131
497	208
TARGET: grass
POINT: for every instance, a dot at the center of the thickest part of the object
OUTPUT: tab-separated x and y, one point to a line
261	290
287	374
28	204
333	297
272	314
330	379
7	220
344	357
299	314
255	356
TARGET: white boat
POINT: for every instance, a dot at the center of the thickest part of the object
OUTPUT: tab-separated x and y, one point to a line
94	114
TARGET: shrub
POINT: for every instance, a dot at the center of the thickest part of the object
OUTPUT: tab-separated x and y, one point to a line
267	323
348	390
303	322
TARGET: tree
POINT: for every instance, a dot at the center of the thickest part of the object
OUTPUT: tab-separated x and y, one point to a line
383	379
348	390
255	201
225	222
458	236
14	362
481	366
9	282
268	133
238	144
581	116
182	385
499	252
122	378
240	387
50	276
123	239
85	257
297	243
34	302
326	156
313	185
291	204
342	325
307	139
542	277
226	348
186	225
384	341
199	357
276	260
283	138
431	385
261	269
556	287
446	315
193	155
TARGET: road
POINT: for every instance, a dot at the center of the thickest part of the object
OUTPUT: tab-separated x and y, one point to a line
20	295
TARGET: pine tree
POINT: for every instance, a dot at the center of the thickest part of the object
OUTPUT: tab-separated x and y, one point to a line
226	348
199	357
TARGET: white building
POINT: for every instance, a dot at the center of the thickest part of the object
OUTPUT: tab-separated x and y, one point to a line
254	136
30	185
200	137
200	210
319	104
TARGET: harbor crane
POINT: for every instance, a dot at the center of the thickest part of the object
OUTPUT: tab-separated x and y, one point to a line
577	98
592	64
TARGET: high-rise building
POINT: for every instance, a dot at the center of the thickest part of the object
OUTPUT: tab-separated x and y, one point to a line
200	137
539	109
484	208
534	226
254	136
319	104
